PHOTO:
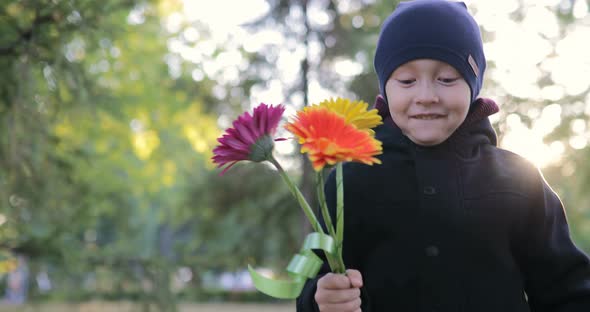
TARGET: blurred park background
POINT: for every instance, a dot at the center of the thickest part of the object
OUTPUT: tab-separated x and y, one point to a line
109	111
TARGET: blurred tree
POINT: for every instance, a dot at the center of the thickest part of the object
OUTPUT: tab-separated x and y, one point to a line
93	142
104	161
41	48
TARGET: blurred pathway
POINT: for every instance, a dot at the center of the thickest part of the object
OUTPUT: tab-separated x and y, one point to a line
239	308
129	307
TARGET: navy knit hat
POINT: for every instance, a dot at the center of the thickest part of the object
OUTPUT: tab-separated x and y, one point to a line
431	29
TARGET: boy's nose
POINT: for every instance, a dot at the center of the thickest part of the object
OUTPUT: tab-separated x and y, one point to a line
426	94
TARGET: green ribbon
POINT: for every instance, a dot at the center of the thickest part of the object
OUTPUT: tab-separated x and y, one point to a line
304	265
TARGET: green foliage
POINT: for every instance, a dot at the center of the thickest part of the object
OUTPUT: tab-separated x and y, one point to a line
105	172
255	222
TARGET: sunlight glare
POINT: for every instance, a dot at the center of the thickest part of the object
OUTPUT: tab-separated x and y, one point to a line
347	6
542	20
549	120
197	75
223	15
572	58
492	14
578	142
552	92
290	65
262	38
191	34
580	9
358	21
528	142
319	16
578	125
271	93
347	67
516	53
285	147
317	93
174	22
206	47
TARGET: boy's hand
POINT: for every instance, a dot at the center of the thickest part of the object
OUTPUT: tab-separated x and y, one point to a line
339	292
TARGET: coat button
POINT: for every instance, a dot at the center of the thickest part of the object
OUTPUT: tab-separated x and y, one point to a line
431	251
429	190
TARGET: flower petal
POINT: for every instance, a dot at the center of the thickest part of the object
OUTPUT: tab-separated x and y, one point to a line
236	144
328	138
354	112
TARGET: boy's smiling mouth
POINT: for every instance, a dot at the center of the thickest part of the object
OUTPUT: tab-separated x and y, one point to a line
427	116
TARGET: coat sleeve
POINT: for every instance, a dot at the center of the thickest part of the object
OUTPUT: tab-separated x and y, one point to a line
556	272
350	251
305	301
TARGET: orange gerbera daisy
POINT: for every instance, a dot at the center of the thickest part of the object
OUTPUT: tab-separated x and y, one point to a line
328	138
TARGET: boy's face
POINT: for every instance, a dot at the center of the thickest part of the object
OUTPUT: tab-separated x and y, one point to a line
428	100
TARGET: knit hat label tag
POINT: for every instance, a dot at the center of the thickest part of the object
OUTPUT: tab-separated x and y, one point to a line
473	64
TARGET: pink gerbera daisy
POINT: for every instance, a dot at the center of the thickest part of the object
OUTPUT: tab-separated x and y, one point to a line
250	138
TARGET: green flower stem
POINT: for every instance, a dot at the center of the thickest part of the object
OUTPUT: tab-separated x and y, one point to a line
339	211
334	259
323	205
300	198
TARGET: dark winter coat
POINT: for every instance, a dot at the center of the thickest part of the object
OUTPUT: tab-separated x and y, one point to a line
461	226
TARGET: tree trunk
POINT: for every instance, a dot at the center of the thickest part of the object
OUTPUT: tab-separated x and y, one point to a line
307	183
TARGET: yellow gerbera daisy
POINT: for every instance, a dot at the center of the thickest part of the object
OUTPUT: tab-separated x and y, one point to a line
354	112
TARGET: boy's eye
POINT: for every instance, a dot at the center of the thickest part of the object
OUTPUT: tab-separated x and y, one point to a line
406	81
447	80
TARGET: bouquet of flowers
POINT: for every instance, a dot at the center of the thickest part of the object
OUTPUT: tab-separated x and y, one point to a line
331	132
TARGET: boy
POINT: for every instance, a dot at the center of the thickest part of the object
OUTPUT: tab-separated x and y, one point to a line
448	221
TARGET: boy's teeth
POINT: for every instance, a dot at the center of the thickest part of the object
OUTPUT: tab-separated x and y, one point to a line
426	117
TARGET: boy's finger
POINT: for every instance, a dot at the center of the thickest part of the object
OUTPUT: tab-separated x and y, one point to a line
334	281
355	278
332	296
349	306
